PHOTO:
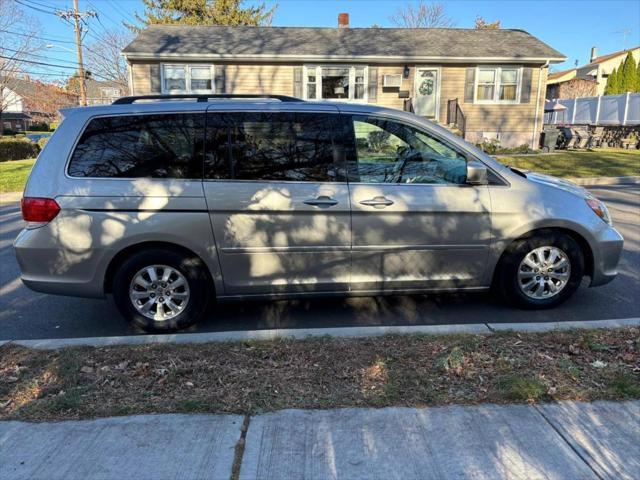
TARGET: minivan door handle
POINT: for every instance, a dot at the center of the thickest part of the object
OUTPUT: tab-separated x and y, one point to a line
322	201
377	202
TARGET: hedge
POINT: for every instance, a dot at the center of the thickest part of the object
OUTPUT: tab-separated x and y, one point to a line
17	149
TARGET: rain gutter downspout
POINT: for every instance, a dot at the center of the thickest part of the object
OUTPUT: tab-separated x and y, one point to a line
535	121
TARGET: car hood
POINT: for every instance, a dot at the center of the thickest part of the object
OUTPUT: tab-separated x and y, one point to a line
556	182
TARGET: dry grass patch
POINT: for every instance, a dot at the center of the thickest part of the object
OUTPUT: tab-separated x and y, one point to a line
319	373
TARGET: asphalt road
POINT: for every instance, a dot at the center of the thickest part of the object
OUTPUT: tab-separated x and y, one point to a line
29	315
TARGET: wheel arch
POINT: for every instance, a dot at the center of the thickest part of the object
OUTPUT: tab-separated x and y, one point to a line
587	252
131	250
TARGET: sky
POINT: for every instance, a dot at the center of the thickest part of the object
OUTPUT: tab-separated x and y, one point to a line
571	27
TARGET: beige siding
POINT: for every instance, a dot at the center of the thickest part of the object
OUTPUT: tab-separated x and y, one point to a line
512	123
388	97
140	78
259	79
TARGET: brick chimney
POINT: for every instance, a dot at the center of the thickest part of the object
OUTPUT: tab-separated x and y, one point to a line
343	20
594	53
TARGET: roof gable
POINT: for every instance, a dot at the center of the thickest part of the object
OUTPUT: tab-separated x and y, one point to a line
609	56
305	44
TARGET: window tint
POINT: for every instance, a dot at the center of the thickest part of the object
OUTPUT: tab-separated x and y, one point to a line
387	151
217	161
157	146
281	147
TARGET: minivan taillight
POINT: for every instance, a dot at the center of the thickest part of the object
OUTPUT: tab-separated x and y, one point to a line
39	210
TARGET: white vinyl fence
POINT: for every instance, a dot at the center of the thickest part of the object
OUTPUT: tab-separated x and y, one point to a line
602	110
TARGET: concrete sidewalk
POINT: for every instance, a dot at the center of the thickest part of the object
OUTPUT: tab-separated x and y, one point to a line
568	440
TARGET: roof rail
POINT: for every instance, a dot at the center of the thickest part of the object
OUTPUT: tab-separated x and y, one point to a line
202	97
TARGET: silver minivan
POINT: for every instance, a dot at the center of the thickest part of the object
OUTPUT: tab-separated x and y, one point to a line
170	203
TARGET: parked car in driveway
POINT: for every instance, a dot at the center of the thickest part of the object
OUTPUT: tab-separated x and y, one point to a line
170	203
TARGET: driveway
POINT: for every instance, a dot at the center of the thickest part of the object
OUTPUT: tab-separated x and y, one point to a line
29	315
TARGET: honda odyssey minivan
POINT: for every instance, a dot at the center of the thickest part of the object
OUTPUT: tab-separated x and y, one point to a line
170	203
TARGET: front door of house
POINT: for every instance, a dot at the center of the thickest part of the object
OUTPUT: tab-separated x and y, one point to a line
427	92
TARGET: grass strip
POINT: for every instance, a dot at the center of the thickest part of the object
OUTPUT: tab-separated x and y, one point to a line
253	377
14	174
583	164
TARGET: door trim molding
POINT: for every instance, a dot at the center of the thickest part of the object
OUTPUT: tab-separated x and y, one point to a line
438	86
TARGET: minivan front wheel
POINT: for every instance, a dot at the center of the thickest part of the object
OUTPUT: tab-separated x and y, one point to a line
541	271
161	290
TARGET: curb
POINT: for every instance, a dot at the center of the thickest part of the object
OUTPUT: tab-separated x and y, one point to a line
302	333
596	181
569	325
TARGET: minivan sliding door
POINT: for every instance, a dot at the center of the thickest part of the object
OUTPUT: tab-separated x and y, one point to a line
278	205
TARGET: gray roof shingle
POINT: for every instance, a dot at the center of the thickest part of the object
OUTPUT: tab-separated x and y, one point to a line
309	43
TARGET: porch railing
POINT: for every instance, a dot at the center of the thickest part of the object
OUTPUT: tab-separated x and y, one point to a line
455	115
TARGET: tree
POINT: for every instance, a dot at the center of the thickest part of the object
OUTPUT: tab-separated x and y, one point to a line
626	78
104	58
203	12
628	75
422	15
482	24
611	88
15	49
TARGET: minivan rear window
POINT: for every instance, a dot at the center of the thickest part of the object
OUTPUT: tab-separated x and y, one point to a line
270	146
156	146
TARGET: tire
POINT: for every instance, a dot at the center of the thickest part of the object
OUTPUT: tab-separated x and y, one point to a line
171	308
513	277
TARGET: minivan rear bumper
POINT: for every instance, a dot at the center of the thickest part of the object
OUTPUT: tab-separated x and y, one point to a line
606	256
47	268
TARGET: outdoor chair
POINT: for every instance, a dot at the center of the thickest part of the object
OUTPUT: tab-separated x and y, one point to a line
583	137
595	140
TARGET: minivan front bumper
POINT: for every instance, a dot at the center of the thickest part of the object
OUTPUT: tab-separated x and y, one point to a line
606	256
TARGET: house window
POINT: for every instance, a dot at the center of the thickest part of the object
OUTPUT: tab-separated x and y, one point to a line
336	82
187	79
497	85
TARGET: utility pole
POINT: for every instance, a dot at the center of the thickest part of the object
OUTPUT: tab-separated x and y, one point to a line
77	17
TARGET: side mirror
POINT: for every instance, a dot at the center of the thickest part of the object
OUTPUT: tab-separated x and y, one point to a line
476	173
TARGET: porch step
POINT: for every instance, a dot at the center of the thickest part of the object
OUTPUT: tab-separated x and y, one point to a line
453	128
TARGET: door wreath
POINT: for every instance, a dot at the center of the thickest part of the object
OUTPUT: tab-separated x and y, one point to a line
426	87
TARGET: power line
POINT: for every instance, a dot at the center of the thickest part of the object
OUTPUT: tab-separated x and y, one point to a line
37	56
79	18
48	39
38	63
49	12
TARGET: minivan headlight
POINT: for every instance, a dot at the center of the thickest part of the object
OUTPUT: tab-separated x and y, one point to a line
599	208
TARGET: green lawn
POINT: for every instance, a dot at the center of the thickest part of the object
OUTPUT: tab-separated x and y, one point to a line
607	162
13	174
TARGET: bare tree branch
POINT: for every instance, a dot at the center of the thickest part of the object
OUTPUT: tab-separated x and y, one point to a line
423	15
15	49
104	58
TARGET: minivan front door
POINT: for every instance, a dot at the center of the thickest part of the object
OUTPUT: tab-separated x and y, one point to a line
416	223
278	201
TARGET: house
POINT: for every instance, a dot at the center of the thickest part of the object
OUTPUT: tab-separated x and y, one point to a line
487	83
24	102
103	92
574	82
565	84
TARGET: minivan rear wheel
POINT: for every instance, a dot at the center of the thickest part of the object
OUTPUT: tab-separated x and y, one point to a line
541	271
161	290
